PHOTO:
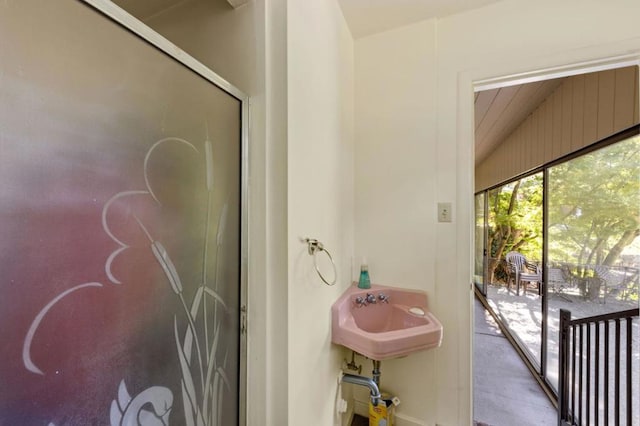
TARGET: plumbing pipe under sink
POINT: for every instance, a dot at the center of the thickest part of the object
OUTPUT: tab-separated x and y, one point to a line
364	381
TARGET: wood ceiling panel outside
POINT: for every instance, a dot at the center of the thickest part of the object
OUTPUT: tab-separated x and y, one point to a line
498	112
582	110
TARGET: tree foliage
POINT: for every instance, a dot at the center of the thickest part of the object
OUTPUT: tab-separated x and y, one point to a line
515	221
594	205
594	210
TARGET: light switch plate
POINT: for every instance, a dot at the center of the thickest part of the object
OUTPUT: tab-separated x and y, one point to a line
444	212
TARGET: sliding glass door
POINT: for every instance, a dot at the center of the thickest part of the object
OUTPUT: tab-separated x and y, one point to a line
514	224
593	231
577	220
480	252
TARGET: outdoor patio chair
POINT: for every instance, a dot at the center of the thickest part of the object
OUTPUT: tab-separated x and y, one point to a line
521	271
559	280
617	282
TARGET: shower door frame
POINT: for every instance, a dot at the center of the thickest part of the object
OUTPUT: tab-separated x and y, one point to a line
130	23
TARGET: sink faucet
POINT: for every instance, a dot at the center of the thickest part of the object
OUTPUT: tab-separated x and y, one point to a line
383	298
371	298
360	302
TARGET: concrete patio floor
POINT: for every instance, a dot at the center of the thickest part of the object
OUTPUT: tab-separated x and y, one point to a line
523	315
504	391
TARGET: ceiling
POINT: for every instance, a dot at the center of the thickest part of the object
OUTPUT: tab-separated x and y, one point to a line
498	112
145	9
364	17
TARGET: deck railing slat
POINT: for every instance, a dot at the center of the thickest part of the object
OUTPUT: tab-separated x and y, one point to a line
573	372
576	354
628	371
616	399
580	373
606	373
588	373
596	400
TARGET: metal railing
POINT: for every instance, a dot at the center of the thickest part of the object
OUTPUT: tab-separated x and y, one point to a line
589	393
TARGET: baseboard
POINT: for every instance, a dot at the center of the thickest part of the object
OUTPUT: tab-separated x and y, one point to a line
404	420
361	408
347	417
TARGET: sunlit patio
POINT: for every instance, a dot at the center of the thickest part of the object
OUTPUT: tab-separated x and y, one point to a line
505	393
522	315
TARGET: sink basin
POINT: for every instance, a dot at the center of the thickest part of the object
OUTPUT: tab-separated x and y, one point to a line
384	330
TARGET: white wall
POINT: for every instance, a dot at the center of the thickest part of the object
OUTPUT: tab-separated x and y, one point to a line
503	39
407	246
320	198
396	186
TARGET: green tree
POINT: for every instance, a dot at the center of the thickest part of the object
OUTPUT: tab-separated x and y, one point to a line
594	210
594	205
515	221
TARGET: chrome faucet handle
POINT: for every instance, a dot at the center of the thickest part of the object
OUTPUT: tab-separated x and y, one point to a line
383	298
359	301
371	298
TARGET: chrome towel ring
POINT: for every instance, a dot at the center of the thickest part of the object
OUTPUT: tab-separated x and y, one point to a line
315	246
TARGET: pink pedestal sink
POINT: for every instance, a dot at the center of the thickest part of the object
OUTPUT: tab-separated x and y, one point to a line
397	324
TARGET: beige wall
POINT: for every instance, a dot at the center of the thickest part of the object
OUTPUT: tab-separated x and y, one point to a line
229	41
396	188
582	110
501	40
276	254
320	190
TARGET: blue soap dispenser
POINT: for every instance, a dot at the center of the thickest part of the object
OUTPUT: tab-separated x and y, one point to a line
364	281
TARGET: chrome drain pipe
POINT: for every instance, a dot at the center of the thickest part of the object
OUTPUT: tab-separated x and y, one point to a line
376	372
364	381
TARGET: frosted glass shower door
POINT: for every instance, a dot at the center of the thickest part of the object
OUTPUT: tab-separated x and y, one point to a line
121	227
